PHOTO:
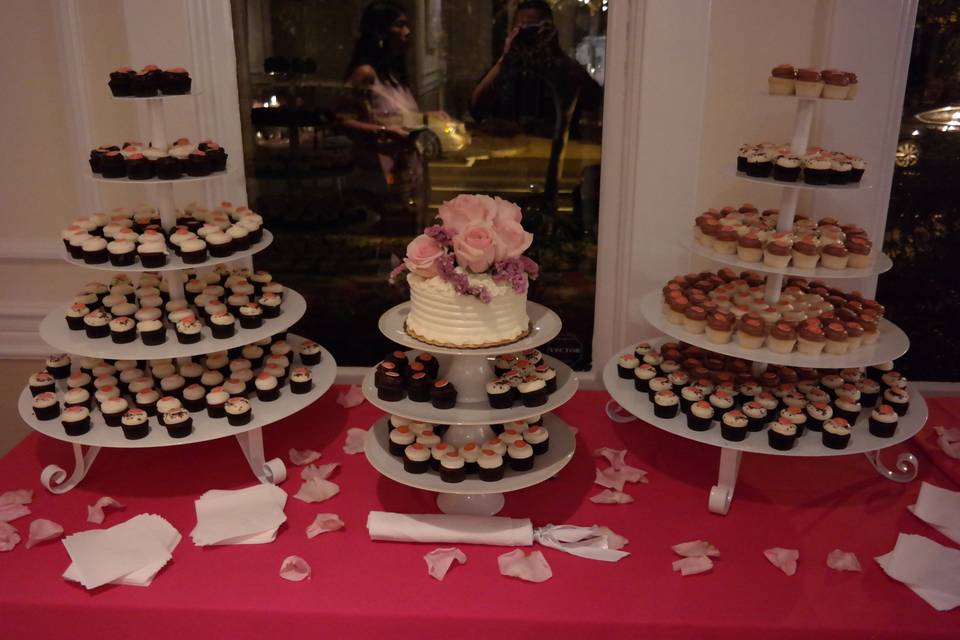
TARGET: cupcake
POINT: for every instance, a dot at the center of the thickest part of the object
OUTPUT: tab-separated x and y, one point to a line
778	251
836	335
626	364
781	80
123	330
689	395
808	83
437	453
238	411
416	458
216	402
816	169
499	394
847	408
419	386
756	415
443	395
152	255
400	438
836	84
194	397
817	414
121	82
75	315
520	455
270	304
751	331
135	424
490	465
174	81
430	364
782	337
726	240
189	330
795	416
811	339
452	467
97	324
538	438
719	327
95	250
657	385
310	353
178	422
840	169
858	166
642	376
75	420
46	406
112	410
786	168
41	382
869	391
666	404
883	421
504	363
470	453
734	425
390	387
121	252
759	164
836	433
700	416
301	380
750	247
782	434
268	389
222	325
897	398
533	391
835	256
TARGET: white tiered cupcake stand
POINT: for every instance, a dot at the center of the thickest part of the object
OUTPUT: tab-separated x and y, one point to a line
892	344
53	331
469	421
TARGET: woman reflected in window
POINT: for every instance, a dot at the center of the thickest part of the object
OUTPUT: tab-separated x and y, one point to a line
382	112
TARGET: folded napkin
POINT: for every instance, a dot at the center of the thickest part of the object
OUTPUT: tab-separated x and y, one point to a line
243	516
130	553
931	570
939	508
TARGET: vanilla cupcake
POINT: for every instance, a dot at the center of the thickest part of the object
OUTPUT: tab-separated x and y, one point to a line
778	251
782	79
808	83
695	319
751	331
835	255
750	247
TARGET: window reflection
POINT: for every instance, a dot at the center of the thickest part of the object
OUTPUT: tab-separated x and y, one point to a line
361	118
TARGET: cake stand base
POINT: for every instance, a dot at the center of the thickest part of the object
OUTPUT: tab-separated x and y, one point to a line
486	504
459	435
469	374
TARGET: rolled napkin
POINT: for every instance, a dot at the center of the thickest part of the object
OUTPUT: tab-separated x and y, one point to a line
399	527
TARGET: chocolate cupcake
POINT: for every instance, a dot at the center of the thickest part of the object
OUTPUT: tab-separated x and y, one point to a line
533	391
189	330
223	325
41	382
138	167
869	391
759	164
310	353
490	465
816	170
418	387
238	411
75	420
700	416
430	364
135	424
538	438
175	81
443	395
167	167
416	458
520	455
97	324
549	376
123	330
112	165
782	434
756	415
470	453
626	364
689	395
642	376
390	386
194	397
146	84
121	82
666	404
270	303
217	156
883	421
452	467
897	398
216	402
836	433
95	250
178	422
734	425
46	406
786	168
657	385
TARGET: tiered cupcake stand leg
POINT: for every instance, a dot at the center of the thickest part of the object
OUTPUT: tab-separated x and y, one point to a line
469	421
53	331
892	344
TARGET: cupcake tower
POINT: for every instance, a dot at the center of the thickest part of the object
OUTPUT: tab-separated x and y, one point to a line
195	351
469	435
753	319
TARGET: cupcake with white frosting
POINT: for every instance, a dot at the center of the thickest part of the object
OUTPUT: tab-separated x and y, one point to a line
756	415
216	402
520	455
642	376
238	411
836	433
782	434
46	406
626	364
301	380
700	415
490	465
734	425
883	421
400	438
538	438
897	398
437	453
470	453
416	458
666	404
452	467
189	330
135	424
75	420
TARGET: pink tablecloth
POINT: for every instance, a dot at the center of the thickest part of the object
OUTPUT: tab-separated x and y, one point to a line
365	589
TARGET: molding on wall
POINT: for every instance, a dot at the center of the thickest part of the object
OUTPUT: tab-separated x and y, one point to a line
31	249
19	337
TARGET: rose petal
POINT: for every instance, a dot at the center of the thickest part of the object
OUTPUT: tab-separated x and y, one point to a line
324	523
949	441
17	496
440	560
8	536
609	496
614	540
616	457
317	490
532	568
355	441
615	478
350	398
42	530
294	569
843	561
13	511
783	559
693	566
321	472
300	458
695	548
95	511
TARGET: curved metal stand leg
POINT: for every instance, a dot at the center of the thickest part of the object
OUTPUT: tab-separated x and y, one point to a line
54	478
721	494
617	413
906	469
267	471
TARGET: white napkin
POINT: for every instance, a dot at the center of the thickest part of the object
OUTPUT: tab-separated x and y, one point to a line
131	552
399	527
243	516
931	570
939	508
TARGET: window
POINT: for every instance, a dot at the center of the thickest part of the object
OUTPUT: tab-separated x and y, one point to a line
347	165
923	227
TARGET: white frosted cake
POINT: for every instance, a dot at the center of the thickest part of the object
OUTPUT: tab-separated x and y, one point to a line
468	276
441	316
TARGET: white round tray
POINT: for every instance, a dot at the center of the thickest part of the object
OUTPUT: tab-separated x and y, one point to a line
892	344
806	99
467	413
55	332
809	444
204	427
544	327
562	446
881	263
217	174
174	263
800	184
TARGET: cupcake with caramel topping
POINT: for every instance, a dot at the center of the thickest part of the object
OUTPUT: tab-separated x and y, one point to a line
726	241
695	319
811	339
778	251
782	337
806	253
719	327
809	83
858	249
751	331
836	84
782	79
836	335
749	247
835	256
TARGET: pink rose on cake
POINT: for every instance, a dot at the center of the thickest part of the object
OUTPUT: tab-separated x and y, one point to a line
422	254
512	240
465	210
475	247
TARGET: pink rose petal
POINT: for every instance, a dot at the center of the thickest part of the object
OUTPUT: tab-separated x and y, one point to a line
17	496
42	530
300	458
350	398
695	548
532	568
440	560
949	441
8	536
355	441
614	540
321	472
294	569
693	566
843	561
783	559
615	478
317	490
13	511
324	523
616	457
609	496
95	511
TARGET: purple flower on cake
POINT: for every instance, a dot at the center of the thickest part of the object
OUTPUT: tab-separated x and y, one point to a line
422	254
475	247
517	271
439	233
